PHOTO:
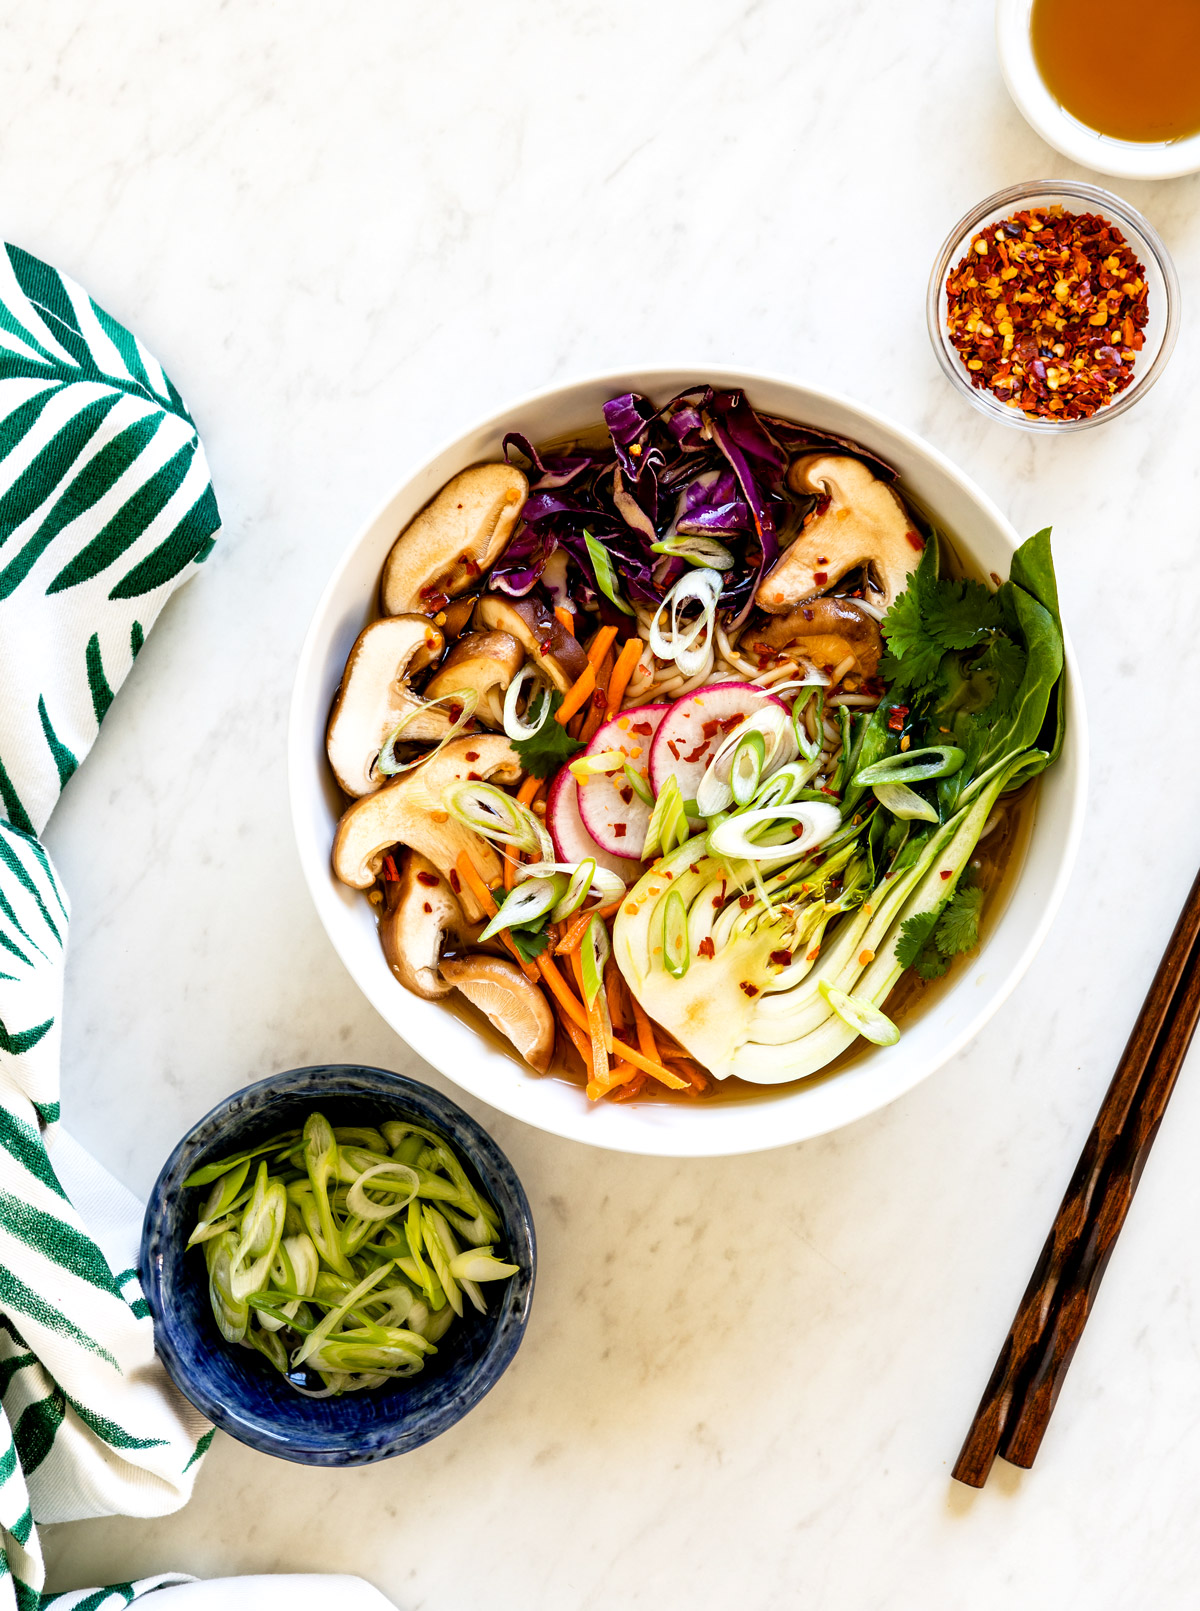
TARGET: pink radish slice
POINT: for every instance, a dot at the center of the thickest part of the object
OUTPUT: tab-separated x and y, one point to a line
572	841
682	744
612	813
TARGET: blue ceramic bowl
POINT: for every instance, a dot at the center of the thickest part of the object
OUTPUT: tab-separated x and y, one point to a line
236	1387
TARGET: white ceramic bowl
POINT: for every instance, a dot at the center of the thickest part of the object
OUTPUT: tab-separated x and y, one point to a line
447	1040
1128	159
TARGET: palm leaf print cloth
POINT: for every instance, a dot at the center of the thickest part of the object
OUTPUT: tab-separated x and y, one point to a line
106	506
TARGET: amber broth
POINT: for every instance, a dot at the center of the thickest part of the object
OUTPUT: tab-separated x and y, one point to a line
1131	72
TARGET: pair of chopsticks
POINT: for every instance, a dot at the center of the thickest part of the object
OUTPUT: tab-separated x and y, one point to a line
1020	1397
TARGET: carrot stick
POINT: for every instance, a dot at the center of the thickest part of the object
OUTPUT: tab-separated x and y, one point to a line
645	1031
566	618
600	646
599	1043
568	1001
618	1074
529	790
581	1042
624	668
561	991
511	863
576	930
580	691
576	960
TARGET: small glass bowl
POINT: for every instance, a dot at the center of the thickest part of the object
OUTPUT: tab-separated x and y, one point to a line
1163	296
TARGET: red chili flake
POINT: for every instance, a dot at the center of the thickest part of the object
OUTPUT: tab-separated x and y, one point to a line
391	875
781	959
820	577
750	989
813	954
471	755
433	598
428	879
641	727
427	906
599	698
698	751
455	882
710	729
1048	310
626	793
474	777
916	541
454	711
619	830
692	867
706	948
673	747
745	902
822	559
895	720
946	875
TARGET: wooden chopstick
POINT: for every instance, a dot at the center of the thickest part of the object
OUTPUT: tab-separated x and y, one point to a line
1110	1207
1051	1314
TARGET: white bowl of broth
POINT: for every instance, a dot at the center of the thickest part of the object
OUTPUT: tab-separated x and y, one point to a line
1027	861
1112	86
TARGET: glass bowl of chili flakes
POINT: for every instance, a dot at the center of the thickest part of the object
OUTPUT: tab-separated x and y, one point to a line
1053	306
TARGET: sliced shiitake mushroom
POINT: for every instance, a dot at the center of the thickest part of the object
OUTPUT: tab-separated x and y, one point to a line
375	697
554	651
860	521
484	661
410	811
454	541
513	1003
826	630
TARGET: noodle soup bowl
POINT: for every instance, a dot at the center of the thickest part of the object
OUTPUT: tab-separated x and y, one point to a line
461	1046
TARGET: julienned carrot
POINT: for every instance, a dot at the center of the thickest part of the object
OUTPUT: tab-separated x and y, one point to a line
618	1074
576	696
626	664
575	958
645	1030
487	900
511	863
576	930
561	991
600	1041
581	1042
630	1089
566	998
566	618
600	645
528	792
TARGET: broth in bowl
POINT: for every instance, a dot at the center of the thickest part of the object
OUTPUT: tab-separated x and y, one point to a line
685	752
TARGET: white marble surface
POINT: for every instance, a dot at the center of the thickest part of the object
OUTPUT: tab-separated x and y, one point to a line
347	228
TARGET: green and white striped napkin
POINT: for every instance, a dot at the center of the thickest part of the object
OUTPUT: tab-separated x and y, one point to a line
106	506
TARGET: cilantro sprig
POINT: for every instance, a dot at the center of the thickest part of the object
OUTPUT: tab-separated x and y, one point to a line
549	747
929	940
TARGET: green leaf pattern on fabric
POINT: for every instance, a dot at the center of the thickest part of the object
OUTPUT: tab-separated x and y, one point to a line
105	507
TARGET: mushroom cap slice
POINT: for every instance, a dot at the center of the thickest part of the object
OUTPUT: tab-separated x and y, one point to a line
513	1003
420	912
375	698
457	537
409	811
826	630
484	661
863	523
553	650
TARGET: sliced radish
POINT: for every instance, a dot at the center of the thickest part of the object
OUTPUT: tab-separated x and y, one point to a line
572	841
688	738
611	811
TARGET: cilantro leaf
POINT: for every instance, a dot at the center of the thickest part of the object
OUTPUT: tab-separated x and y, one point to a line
530	942
549	747
914	932
917	948
958	926
958	614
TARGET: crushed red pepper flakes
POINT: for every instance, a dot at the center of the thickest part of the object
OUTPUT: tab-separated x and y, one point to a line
706	948
750	989
428	879
1047	310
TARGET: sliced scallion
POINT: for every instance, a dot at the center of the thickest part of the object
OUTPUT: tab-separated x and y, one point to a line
913	766
676	954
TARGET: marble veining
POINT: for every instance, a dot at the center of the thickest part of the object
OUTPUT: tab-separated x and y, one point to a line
348	229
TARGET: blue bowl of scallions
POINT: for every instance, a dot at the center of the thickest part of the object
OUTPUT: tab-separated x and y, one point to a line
340	1265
